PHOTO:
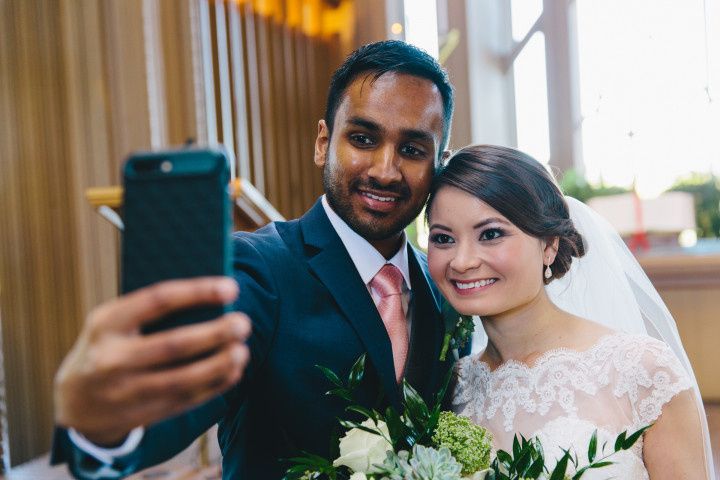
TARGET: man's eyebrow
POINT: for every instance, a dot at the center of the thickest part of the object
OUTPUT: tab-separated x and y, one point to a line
365	123
419	135
410	134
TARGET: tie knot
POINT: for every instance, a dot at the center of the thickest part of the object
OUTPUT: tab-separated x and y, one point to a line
388	281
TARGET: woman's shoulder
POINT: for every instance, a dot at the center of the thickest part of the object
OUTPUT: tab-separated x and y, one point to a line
638	348
624	351
602	341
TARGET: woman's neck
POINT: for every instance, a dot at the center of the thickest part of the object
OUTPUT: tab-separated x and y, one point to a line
526	332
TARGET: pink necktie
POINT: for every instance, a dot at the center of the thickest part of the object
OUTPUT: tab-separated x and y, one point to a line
388	284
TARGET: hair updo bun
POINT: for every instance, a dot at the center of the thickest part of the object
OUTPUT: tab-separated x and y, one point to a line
521	189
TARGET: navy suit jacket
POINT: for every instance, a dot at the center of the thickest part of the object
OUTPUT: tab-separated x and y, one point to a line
309	307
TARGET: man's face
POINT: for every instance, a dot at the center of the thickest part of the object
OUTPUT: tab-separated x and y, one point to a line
379	163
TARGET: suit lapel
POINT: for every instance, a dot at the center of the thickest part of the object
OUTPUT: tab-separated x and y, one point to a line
427	330
333	267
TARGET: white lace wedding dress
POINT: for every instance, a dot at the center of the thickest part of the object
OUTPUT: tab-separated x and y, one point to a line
621	383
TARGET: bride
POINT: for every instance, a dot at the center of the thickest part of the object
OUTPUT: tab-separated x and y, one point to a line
609	360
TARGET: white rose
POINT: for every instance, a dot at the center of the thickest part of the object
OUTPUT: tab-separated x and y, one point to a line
359	449
478	475
358	476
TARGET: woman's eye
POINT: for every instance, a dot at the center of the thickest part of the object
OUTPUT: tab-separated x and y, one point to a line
491	234
441	238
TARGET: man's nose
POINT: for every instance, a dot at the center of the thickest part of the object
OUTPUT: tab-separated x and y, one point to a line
385	168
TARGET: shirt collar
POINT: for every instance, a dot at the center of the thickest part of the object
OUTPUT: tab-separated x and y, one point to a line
368	261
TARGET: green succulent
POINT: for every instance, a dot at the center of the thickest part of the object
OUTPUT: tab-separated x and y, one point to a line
425	463
470	444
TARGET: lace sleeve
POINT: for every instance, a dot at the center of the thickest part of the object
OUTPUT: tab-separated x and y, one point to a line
467	394
651	375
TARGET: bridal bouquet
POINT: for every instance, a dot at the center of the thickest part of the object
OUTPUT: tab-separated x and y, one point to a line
421	442
425	443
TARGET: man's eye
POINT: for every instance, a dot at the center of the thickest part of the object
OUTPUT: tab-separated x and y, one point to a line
411	151
441	238
361	139
491	234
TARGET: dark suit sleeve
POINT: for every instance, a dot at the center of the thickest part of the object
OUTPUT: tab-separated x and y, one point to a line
259	300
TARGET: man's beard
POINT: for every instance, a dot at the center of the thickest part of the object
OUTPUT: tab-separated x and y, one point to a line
340	202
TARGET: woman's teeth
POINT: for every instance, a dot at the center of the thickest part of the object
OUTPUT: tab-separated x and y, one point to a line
479	283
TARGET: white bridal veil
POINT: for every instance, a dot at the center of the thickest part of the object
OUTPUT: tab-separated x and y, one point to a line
608	286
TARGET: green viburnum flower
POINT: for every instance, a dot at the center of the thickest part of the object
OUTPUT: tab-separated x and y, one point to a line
426	463
470	444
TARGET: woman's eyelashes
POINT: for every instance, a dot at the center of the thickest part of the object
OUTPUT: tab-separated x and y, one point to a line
441	238
487	235
492	234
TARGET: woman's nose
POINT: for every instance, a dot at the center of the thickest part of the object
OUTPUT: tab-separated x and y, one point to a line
466	258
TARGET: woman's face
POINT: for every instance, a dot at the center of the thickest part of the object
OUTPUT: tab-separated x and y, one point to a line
483	264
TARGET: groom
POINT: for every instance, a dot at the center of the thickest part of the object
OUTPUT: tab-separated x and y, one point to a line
321	290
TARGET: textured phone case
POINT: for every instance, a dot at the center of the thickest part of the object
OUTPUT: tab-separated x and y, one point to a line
177	224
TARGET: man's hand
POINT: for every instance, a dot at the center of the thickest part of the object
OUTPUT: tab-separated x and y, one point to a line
115	378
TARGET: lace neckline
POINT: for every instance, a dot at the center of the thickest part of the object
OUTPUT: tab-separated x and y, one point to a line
545	356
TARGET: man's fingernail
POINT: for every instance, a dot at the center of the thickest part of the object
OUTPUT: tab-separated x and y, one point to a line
237	355
240	327
227	288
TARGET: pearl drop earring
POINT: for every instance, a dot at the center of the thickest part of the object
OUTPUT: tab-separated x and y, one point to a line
548	272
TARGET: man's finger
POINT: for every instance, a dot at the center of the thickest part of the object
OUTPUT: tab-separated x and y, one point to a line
184	343
145	305
186	383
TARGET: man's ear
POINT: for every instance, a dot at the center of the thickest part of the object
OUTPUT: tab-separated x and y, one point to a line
444	157
322	141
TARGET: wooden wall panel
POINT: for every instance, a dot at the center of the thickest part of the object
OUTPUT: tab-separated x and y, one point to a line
38	277
84	83
696	313
690	286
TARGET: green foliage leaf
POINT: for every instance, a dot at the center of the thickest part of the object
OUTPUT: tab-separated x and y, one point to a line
309	462
440	395
396	427
357	372
516	446
592	447
560	469
620	441
330	375
366	412
630	441
536	468
348	424
504	457
340	392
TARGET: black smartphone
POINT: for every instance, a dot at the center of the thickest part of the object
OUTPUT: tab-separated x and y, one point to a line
177	216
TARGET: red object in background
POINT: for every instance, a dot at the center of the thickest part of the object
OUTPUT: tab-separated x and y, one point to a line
639	240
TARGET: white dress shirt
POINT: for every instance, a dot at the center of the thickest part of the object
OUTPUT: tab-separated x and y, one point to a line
368	262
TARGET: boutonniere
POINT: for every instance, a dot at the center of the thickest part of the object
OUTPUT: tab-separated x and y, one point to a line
458	329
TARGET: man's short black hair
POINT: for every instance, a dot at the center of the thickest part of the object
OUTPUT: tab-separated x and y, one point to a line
390	56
